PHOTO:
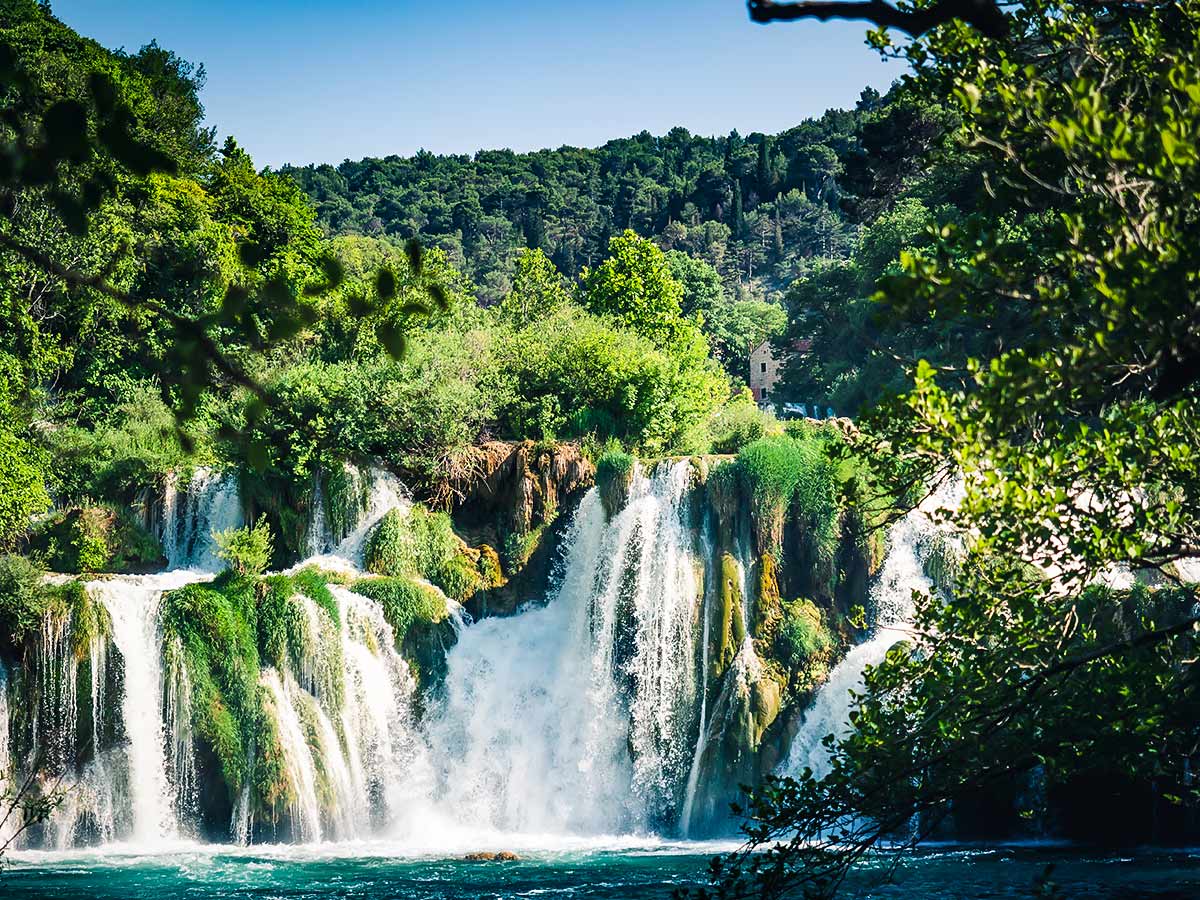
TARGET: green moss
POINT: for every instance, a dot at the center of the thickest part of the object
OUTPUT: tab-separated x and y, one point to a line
314	584
273	792
286	639
405	602
213	628
731	629
768	608
614	476
803	643
490	569
416	543
459	577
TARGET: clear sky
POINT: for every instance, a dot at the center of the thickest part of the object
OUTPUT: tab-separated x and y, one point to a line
323	81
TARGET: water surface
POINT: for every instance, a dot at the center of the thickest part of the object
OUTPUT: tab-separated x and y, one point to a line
650	870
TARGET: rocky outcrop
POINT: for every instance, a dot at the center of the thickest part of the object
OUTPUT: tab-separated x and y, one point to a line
509	504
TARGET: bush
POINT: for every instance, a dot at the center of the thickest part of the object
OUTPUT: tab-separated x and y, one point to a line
22	491
459	577
741	423
803	639
413	543
95	539
248	550
780	472
23	600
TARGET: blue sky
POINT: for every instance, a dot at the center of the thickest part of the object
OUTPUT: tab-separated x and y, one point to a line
323	81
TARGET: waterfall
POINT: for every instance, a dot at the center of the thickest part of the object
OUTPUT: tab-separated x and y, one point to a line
710	582
892	600
577	716
305	810
372	495
132	605
386	753
207	502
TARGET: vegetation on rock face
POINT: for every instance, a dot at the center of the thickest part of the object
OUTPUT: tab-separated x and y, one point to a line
614	476
212	630
94	539
405	602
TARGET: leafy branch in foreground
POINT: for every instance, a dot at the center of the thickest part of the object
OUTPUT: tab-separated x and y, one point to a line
1077	445
74	153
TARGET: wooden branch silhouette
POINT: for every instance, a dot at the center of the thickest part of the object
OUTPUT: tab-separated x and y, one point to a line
984	15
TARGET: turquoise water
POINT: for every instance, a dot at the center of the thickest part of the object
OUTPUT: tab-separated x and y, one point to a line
649	872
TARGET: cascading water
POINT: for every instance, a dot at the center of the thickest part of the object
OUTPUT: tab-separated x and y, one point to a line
903	574
367	497
578	716
207	502
153	799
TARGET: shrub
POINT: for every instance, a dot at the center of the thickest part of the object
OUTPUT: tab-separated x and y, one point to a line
803	638
22	491
779	472
248	550
23	600
740	423
95	539
459	577
416	542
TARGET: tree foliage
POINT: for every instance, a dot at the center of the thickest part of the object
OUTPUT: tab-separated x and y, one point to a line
1075	437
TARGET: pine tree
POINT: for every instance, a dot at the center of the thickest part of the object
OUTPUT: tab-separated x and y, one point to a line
737	221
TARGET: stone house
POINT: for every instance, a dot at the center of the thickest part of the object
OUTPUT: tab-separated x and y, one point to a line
766	368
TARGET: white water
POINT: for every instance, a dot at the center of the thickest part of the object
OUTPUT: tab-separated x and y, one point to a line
573	717
892	599
325	549
133	607
208	502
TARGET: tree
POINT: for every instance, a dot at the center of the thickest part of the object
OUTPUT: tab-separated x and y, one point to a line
1075	440
635	288
538	290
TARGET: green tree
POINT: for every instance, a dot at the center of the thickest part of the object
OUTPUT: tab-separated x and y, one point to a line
538	290
635	288
1076	442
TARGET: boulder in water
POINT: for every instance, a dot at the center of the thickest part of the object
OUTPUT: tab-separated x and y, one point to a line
488	856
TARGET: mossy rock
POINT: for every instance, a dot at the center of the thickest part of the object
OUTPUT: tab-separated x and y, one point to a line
731	627
491	570
803	644
614	478
212	630
766	700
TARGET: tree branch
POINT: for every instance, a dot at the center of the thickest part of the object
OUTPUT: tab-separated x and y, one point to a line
983	15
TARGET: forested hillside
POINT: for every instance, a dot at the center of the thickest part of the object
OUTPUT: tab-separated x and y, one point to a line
757	208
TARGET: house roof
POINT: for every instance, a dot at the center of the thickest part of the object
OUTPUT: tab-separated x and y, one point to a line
801	345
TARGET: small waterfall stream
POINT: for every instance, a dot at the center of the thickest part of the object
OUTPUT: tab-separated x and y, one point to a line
892	599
